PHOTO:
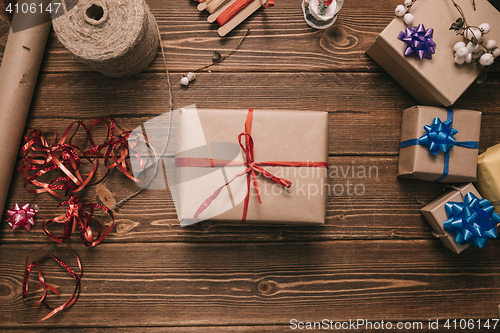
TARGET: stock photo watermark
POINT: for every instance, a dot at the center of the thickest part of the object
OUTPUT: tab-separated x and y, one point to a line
337	180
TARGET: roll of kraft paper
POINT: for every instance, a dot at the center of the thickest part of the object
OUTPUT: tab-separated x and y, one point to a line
18	74
117	38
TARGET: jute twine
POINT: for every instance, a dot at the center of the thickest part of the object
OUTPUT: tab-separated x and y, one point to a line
117	38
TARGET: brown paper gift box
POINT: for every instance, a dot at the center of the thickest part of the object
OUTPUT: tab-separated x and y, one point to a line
296	136
488	175
418	162
435	213
438	81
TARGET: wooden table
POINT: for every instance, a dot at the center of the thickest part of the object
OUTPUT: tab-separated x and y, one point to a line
374	259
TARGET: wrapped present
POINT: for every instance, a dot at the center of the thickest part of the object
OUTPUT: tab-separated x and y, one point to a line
439	144
437	81
488	175
462	218
242	165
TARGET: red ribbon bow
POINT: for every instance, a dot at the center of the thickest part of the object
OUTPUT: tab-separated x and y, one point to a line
250	171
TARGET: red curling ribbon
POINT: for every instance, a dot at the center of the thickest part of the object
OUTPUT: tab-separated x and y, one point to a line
251	170
232	10
45	286
76	216
40	157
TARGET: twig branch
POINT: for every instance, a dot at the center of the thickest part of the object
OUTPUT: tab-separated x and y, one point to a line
225	55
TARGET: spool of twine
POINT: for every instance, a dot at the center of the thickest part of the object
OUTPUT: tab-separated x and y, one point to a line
117	38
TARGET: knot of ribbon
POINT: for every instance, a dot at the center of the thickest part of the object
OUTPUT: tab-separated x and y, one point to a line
77	216
418	41
251	170
439	136
472	221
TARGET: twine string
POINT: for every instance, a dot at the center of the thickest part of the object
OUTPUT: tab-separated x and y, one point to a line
117	45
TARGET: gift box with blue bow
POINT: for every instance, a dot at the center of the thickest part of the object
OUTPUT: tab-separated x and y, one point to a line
439	144
462	218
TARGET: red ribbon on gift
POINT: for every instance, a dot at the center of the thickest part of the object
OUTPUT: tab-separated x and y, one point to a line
251	170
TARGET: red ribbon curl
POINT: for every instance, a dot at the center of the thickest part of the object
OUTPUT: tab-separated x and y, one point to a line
64	158
77	216
40	157
45	286
251	170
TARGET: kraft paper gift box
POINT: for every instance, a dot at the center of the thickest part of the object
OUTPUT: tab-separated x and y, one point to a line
458	164
279	136
488	175
438	81
437	216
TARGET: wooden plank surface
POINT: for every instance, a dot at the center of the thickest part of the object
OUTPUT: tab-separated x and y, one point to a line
388	209
375	258
365	108
185	284
189	39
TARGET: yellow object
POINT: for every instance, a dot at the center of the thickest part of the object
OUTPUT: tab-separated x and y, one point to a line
488	175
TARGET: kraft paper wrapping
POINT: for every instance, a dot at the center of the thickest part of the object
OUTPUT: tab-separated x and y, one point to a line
295	136
438	81
435	213
18	74
488	175
418	162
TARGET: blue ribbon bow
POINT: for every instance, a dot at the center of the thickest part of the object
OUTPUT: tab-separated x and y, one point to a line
472	221
439	136
418	41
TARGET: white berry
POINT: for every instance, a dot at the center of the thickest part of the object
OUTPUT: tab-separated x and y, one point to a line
469	33
490	44
408	19
471	47
458	45
400	10
191	76
462	52
496	52
486	59
407	3
485	28
459	60
184	81
468	58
